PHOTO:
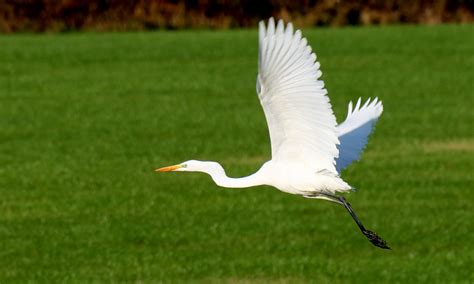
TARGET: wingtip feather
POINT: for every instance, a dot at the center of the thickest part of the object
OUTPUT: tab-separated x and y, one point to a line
357	104
367	103
271	26
298	35
289	28
349	109
280	27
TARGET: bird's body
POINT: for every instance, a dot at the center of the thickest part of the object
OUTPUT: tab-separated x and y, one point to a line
287	177
309	149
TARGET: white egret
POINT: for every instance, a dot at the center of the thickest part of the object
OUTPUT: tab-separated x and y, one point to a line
309	149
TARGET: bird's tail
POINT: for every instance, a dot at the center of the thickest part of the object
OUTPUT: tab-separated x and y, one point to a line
331	182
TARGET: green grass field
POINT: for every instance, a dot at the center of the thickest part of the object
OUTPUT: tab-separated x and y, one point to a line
85	119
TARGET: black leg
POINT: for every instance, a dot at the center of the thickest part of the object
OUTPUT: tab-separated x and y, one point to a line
371	236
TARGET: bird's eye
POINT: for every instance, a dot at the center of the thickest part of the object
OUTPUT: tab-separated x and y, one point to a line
184	166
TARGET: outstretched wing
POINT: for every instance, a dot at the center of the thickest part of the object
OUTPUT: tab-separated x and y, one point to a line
355	130
301	123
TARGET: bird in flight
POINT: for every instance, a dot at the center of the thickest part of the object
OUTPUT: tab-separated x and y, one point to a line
309	149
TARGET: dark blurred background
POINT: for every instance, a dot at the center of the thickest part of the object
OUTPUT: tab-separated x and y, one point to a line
105	15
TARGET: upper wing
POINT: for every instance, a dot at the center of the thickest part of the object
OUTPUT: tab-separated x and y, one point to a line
301	123
354	131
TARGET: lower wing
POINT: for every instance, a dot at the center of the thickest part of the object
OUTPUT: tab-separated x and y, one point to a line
354	132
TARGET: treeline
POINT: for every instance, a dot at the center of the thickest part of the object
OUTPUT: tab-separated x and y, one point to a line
104	15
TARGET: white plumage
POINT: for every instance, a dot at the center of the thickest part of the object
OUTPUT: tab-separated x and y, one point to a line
309	149
355	130
300	120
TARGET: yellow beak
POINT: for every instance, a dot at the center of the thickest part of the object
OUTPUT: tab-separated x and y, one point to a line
169	169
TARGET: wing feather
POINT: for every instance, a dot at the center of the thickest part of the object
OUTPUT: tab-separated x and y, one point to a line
355	130
301	123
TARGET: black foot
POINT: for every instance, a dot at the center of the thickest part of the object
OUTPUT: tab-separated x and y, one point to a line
375	239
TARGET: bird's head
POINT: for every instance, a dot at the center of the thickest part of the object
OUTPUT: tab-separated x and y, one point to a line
188	166
191	166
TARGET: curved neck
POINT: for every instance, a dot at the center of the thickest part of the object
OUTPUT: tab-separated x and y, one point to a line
219	176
